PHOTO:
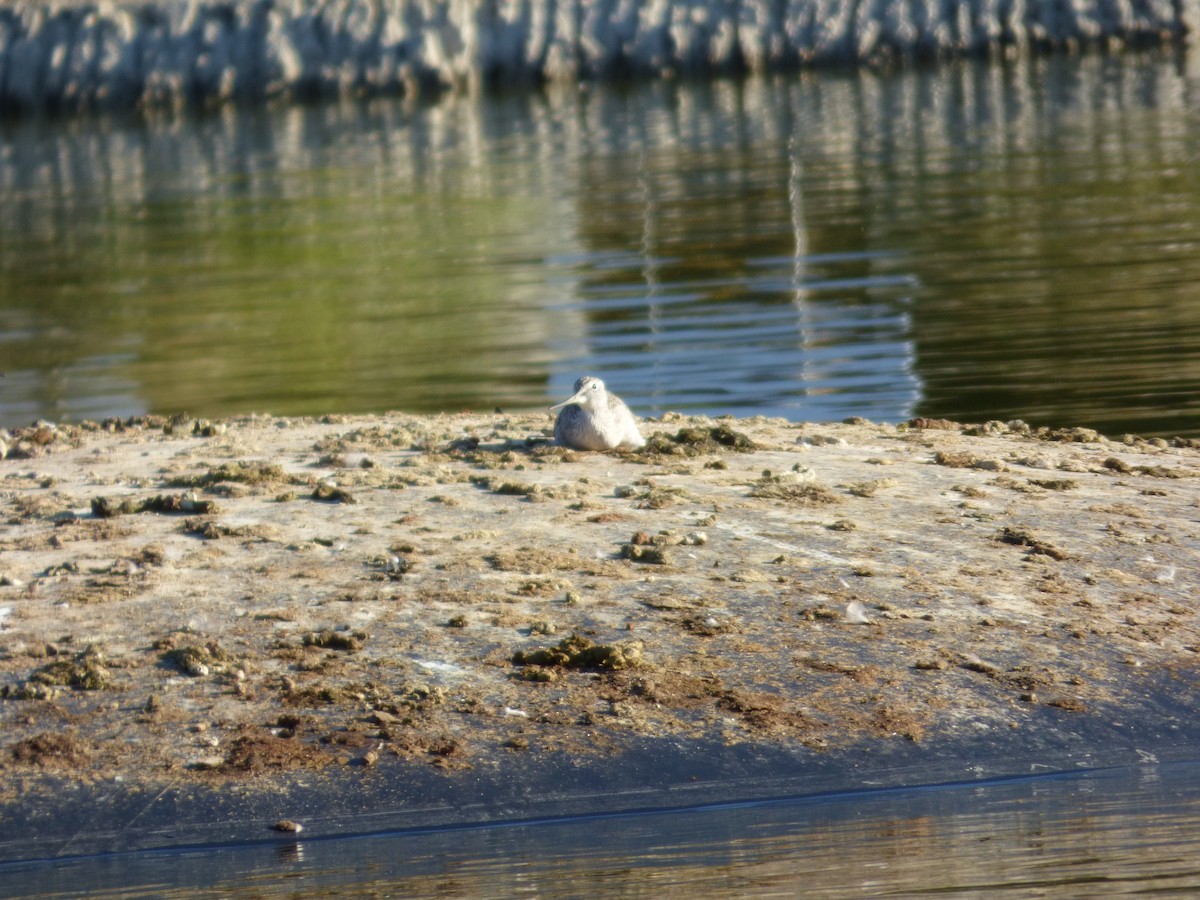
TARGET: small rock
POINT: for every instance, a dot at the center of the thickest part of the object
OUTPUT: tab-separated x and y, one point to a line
207	763
645	554
930	665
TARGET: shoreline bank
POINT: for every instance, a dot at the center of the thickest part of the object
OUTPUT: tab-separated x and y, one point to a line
210	627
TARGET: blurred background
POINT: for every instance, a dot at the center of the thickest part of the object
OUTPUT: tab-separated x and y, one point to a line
972	241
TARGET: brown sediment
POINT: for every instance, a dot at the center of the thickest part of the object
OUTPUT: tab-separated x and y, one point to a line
747	582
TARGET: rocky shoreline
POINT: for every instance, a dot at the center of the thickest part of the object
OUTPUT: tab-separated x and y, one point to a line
211	629
76	55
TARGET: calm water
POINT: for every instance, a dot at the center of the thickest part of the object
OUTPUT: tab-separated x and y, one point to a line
1104	833
972	242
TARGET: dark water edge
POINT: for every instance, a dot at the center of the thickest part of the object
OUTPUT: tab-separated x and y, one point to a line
53	818
1131	826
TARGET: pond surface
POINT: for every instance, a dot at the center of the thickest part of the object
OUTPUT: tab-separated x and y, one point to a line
1105	832
971	242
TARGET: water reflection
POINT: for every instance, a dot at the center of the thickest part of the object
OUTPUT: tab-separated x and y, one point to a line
1130	830
972	242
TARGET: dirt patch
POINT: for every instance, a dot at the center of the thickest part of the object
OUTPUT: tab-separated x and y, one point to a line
796	492
255	754
534	561
767	712
50	751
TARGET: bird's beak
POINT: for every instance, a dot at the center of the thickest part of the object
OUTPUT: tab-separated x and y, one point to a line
577	398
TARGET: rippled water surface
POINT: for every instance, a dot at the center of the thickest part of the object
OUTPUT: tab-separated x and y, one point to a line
971	242
1104	833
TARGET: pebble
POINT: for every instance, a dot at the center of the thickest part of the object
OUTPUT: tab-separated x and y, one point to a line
207	763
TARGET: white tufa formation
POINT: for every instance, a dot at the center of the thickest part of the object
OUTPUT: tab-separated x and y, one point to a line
96	54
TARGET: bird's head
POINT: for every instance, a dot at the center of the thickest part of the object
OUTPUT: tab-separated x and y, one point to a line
589	391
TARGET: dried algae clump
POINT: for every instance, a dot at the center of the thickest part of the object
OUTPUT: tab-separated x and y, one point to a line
697	441
348	641
533	561
249	473
195	659
1023	537
534	493
577	652
255	753
106	508
1076	435
328	493
645	553
1055	484
794	487
961	459
85	672
47	750
921	423
507	488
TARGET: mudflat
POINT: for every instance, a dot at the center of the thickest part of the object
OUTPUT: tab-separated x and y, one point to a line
236	630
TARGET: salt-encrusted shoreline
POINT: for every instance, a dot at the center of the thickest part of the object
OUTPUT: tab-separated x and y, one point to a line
394	621
118	54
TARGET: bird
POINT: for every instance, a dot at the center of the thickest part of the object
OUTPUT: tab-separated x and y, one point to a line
594	419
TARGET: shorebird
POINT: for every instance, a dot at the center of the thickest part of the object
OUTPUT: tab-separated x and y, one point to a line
594	419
